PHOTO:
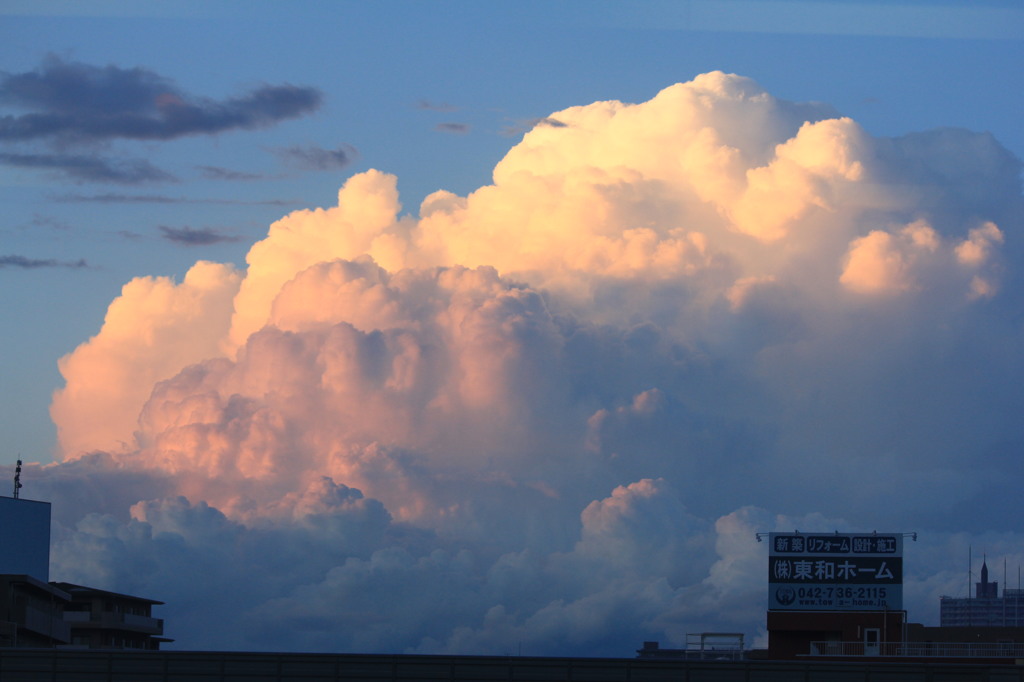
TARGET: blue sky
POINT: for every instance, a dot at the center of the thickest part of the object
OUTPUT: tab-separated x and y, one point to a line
701	269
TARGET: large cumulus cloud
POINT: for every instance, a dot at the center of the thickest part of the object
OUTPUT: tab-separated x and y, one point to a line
552	414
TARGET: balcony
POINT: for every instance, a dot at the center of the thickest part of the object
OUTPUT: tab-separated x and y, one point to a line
112	620
43	622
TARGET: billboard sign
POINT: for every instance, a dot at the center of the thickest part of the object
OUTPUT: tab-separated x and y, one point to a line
835	572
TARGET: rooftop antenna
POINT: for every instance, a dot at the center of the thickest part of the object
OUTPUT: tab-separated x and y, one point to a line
17	480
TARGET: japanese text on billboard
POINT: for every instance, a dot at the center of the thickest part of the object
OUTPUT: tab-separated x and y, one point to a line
835	572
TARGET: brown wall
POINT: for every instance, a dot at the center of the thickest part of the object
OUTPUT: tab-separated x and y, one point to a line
790	633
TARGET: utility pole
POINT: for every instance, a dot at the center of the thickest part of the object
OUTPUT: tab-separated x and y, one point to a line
17	479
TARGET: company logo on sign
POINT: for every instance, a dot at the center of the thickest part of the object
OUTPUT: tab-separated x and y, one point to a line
785	595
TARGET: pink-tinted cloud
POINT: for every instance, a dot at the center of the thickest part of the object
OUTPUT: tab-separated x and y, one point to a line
556	410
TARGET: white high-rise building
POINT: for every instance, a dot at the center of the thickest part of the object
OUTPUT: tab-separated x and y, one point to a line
985	609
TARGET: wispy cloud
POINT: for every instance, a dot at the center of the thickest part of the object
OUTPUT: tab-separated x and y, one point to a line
48	222
75	102
442	107
195	236
317	158
110	198
457	128
218	173
82	168
522	126
25	263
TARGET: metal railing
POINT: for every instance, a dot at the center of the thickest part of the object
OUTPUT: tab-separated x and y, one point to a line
43	622
919	649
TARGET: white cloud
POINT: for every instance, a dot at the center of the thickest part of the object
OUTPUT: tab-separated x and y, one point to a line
553	413
152	331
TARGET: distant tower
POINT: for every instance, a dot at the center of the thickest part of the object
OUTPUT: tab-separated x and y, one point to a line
17	480
985	589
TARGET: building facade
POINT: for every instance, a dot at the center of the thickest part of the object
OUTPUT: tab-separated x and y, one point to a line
986	609
25	537
37	613
32	613
99	619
